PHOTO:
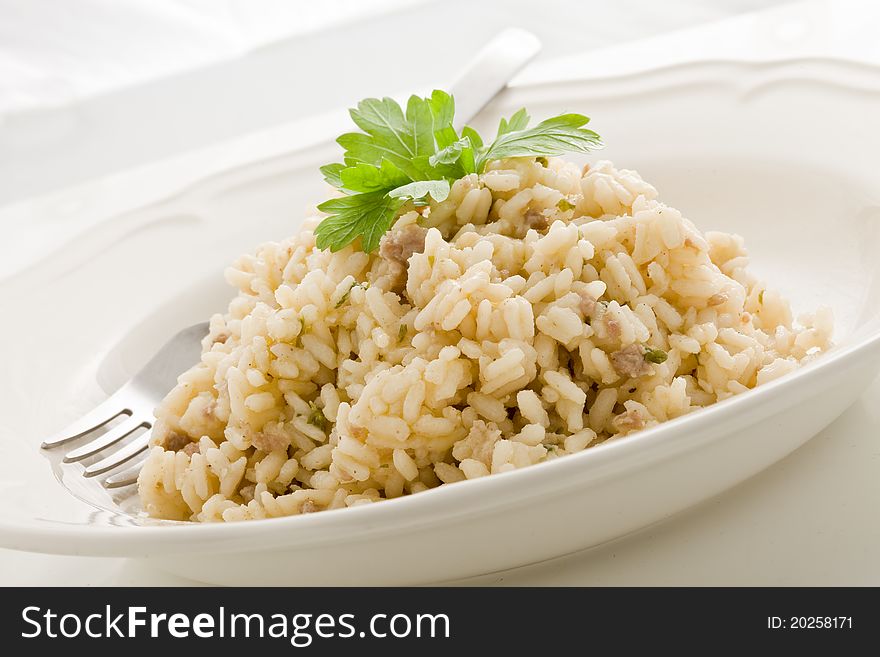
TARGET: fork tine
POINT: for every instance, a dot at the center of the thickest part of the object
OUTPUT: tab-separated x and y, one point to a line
98	417
112	436
126	453
127	477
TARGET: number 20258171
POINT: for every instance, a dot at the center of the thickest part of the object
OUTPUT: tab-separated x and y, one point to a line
809	623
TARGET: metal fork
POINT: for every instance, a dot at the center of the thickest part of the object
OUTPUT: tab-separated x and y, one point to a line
135	402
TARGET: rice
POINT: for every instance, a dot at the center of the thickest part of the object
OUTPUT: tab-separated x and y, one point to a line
492	331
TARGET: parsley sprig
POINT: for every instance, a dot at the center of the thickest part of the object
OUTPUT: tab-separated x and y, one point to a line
414	155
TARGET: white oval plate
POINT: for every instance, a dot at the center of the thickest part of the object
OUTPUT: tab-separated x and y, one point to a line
780	153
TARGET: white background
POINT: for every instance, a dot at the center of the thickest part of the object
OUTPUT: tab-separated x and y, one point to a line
92	87
85	85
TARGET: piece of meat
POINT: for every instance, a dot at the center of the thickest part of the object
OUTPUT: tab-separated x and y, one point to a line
210	407
175	441
629	421
247	493
717	299
536	220
271	439
588	304
613	327
478	444
399	245
630	361
190	449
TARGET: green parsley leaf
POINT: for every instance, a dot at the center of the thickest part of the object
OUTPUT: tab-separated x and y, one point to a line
561	134
360	148
368	178
412	156
384	119
420	118
345	296
450	154
565	205
303	329
317	417
655	356
436	189
473	135
443	109
333	174
518	121
367	215
469	154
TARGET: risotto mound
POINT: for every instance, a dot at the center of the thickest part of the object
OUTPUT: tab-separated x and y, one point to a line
540	310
